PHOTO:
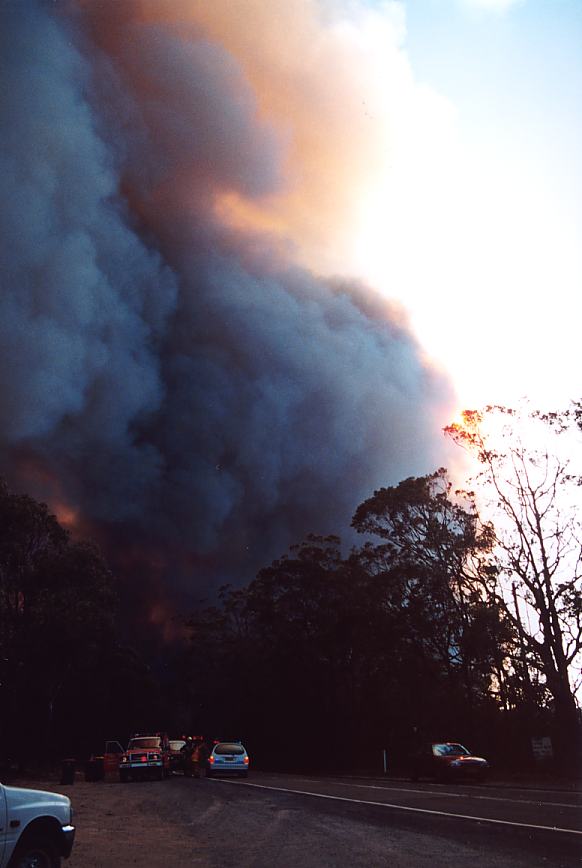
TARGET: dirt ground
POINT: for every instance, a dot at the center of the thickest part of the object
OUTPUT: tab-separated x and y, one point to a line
151	823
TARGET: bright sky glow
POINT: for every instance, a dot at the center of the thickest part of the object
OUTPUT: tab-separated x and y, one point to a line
490	5
476	225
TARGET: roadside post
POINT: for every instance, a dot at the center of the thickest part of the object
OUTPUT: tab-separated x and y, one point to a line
385	760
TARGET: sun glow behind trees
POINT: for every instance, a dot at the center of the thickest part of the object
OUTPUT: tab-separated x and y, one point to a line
528	481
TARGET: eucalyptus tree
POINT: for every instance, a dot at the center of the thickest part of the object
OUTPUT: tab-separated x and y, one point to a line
528	485
433	550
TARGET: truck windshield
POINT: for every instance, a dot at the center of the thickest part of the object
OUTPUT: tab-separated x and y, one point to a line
144	743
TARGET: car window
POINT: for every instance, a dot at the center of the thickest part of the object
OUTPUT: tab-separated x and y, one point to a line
449	750
225	747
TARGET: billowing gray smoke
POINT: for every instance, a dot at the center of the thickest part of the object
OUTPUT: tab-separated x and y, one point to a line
184	387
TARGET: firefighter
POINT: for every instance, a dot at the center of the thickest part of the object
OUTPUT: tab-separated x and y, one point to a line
186	751
198	757
204	754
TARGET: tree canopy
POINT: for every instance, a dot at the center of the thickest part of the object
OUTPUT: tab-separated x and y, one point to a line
62	665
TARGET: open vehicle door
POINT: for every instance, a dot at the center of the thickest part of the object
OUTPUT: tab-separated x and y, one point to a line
112	758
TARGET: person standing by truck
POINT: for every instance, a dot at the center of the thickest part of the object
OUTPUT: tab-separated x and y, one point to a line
198	757
204	754
186	751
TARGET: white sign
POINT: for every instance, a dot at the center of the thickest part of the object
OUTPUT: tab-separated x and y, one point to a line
542	747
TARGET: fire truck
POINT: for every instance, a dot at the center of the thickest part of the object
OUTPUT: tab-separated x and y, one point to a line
147	755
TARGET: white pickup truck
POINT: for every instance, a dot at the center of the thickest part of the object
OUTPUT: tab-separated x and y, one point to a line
36	828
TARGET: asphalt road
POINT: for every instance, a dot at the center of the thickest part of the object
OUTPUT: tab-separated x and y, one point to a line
292	821
405	824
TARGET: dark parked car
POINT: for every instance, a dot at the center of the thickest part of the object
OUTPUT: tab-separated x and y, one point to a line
447	761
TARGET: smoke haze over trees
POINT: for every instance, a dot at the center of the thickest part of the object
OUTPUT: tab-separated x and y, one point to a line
406	638
173	384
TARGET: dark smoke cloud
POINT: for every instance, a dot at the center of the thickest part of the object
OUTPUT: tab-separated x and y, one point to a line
185	387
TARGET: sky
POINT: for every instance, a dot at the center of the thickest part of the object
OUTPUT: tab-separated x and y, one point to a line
488	257
256	255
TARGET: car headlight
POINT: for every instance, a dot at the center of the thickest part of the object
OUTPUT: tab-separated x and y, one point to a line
124	759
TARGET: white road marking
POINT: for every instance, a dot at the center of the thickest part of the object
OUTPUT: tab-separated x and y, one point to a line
475	787
403	807
453	795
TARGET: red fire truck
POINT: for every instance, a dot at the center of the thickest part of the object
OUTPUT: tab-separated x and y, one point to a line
147	755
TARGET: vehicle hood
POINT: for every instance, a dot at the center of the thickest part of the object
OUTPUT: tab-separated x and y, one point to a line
17	796
478	760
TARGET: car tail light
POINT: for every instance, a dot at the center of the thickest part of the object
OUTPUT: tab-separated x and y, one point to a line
246	761
211	760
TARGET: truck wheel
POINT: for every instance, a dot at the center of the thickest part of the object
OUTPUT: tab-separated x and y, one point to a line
35	851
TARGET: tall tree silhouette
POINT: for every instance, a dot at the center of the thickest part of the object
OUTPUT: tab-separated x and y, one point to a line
529	486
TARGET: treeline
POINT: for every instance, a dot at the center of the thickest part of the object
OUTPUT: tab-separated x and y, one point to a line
67	680
327	660
459	617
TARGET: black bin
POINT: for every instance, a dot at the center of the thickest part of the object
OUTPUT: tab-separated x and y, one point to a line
94	769
68	771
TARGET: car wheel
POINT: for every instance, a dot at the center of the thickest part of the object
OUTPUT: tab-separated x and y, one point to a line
208	773
35	852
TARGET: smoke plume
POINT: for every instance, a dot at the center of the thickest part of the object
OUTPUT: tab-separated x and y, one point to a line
173	376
